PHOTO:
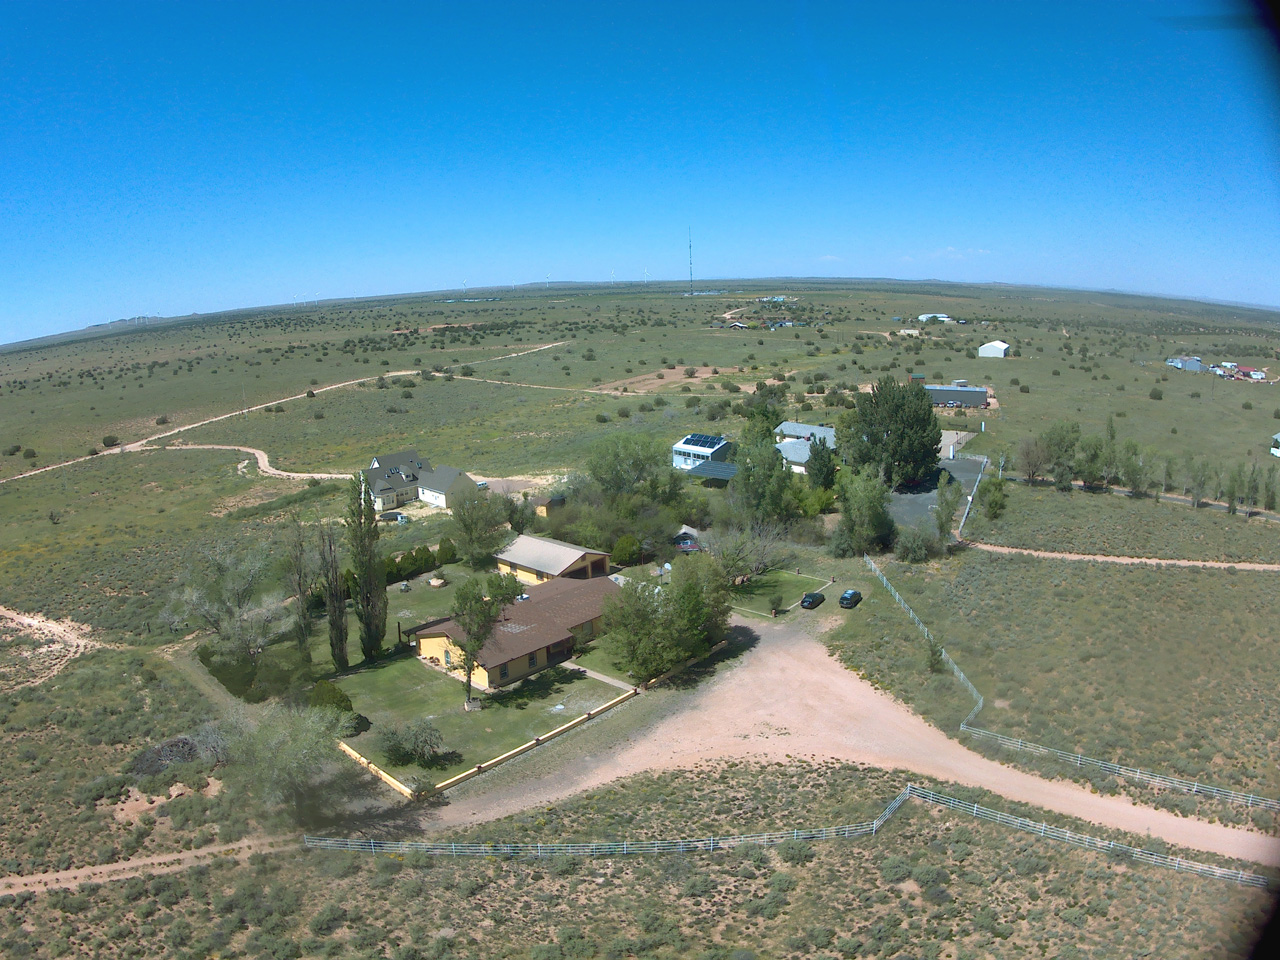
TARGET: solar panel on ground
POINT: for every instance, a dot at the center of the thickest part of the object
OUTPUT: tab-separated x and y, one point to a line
715	470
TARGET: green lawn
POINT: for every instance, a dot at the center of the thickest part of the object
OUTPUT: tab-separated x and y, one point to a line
754	595
604	657
396	691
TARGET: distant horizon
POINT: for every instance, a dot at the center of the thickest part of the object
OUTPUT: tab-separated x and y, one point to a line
652	281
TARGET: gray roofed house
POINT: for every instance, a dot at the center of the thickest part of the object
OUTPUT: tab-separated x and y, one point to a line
402	477
795	441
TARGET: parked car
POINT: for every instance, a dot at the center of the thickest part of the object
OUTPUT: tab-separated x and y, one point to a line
850	599
811	600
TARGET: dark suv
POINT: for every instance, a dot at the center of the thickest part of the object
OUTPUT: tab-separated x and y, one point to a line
811	600
850	599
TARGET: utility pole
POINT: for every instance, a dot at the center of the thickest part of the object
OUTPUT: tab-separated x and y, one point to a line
691	261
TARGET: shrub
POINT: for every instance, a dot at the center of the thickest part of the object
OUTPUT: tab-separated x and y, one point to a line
28	454
1247	405
311	394
446	552
466	371
1015	382
326	693
795	852
602	418
111	440
626	551
895	869
624	412
915	544
161	420
776	602
1156	393
418	741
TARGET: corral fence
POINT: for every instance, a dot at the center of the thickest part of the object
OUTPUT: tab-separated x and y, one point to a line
621	848
1252	801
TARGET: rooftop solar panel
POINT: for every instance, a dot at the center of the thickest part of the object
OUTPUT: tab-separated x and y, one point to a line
703	440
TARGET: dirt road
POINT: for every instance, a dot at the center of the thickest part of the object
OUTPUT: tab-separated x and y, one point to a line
264	462
1109	558
788	697
161	863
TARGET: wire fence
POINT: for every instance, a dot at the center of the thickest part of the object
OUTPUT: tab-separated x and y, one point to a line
1110	847
973	496
1250	800
620	848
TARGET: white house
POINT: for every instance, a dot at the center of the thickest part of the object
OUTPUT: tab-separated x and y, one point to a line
697	448
926	317
1275	445
996	348
399	478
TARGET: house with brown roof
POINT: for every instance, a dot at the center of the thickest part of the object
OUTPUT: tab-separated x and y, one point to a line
533	634
539	559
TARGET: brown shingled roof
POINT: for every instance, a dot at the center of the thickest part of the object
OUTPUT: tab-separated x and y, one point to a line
548	616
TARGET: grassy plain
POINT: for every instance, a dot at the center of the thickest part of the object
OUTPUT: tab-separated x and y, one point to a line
933	884
1165	669
1041	518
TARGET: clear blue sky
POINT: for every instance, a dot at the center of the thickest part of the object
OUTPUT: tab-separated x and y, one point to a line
170	158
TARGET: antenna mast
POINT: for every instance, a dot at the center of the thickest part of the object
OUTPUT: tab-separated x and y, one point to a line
691	261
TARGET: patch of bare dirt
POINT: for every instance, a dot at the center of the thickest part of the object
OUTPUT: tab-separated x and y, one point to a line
38	648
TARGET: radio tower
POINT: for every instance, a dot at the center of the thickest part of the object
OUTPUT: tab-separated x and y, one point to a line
691	261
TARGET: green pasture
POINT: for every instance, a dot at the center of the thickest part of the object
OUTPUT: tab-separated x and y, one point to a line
1168	669
396	691
1042	518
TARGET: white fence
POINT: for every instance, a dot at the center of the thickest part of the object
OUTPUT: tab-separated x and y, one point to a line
617	848
1076	759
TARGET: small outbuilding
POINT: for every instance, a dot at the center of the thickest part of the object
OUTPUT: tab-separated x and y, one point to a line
996	348
1275	445
539	559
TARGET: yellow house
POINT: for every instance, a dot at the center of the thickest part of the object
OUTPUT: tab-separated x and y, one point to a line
533	634
539	559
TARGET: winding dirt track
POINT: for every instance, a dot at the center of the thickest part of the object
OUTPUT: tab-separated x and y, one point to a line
788	697
1109	558
160	863
66	641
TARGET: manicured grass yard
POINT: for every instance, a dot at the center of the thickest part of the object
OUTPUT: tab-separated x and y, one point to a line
396	691
754	595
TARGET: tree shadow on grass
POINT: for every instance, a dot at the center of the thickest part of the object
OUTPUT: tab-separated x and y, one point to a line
741	639
542	686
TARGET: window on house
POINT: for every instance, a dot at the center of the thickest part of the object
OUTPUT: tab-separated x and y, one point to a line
448	657
533	659
502	672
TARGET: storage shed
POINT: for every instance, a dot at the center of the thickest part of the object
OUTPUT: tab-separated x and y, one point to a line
996	348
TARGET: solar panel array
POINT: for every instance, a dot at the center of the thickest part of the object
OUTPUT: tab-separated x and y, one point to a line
702	440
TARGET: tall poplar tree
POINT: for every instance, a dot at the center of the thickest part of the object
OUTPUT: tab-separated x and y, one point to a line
333	586
370	571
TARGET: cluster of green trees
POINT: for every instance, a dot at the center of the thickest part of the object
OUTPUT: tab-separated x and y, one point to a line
1064	455
658	628
629	501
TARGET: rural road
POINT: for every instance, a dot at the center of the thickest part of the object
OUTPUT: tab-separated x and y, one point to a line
788	697
1110	558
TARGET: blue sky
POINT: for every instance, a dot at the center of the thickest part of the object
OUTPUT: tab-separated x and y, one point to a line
171	158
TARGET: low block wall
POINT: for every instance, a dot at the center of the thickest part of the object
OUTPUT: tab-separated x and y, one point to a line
377	771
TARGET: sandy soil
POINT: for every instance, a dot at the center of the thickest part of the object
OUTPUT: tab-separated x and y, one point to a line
60	642
788	698
161	863
1108	558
